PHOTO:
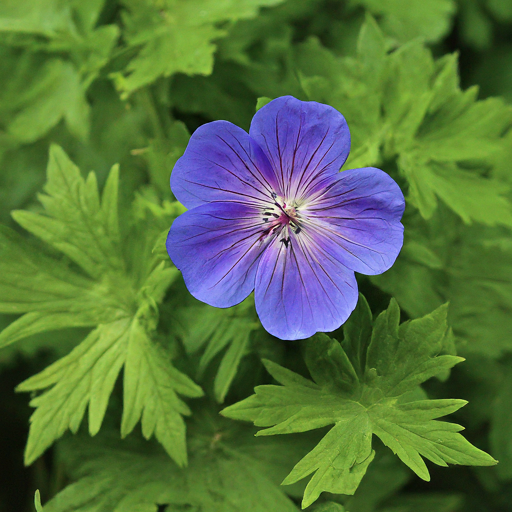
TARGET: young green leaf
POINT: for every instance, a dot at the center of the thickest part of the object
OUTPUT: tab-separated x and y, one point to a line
360	404
37	501
76	222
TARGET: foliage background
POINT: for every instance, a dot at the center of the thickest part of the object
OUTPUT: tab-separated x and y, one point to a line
426	89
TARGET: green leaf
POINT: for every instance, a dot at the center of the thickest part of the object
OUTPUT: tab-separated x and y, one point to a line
50	294
484	200
481	292
50	55
151	385
177	36
217	329
426	502
63	97
403	357
37	501
476	27
84	377
357	335
339	461
385	476
122	307
409	430
76	222
502	9
262	102
45	18
397	359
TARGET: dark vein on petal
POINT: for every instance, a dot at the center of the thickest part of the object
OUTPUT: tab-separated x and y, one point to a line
223	190
299	184
279	153
255	176
299	271
333	260
306	252
295	149
238	261
313	176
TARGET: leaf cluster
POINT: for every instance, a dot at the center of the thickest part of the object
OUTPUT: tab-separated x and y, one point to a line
121	308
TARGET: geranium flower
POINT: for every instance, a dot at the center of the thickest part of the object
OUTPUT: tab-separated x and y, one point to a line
269	212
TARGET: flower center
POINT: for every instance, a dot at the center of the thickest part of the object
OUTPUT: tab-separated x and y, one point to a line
280	217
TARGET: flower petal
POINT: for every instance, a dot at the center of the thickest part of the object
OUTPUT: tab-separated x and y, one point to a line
357	218
217	247
304	141
301	289
221	163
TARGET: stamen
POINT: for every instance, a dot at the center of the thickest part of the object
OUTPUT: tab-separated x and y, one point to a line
281	217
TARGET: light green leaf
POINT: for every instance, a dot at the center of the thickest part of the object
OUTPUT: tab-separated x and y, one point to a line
122	306
403	357
484	200
84	377
37	501
338	462
151	385
409	430
51	295
46	17
262	102
76	222
397	359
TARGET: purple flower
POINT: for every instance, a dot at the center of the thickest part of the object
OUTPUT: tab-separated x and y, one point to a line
269	212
